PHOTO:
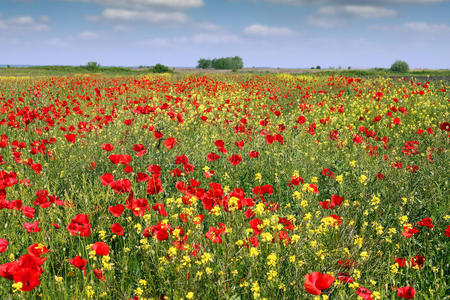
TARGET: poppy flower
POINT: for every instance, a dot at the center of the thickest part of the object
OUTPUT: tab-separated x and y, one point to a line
253	154
117	210
121	186
401	262
116	228
212	156
256	225
142	177
99	274
3	245
71	137
154	186
364	293
426	222
447	231
107	179
100	248
169	143
32	227
80	225
37	249
79	262
406	292
28	277
317	282
107	147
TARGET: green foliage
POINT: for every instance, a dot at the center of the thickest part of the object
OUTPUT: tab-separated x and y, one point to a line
93	66
318	67
400	66
204	63
159	68
227	63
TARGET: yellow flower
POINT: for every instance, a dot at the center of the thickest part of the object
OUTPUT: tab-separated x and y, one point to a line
258	177
362	179
364	255
272	260
17	286
190	295
253	251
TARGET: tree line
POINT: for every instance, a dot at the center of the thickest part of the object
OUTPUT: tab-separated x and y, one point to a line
226	63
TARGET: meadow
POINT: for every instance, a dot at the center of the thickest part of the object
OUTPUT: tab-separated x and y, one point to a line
224	186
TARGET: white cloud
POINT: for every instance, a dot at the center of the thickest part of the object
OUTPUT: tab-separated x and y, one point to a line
215	38
426	27
414	27
23	24
263	30
334	16
356	11
115	14
346	2
203	39
172	4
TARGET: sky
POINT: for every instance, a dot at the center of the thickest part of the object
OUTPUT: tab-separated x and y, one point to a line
264	33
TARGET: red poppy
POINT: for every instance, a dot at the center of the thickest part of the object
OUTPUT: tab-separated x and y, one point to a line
364	293
426	222
100	248
28	211
80	225
418	260
107	147
107	179
401	262
32	227
121	186
406	292
256	225
169	143
79	262
3	245
212	156
116	228
99	274
316	282
117	210
28	277
142	177
447	231
253	154
37	250
139	149
409	231
154	186
71	137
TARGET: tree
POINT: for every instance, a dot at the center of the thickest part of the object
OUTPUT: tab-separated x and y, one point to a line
400	66
159	68
204	63
227	63
93	66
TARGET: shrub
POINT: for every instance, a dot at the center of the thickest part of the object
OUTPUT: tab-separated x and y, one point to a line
159	68
93	66
204	63
400	66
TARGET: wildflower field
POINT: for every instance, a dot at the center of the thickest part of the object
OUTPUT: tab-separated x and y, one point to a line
230	186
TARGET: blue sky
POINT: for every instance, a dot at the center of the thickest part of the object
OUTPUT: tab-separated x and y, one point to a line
276	33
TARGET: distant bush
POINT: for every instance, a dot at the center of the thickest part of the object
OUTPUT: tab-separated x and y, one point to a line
93	66
318	67
159	68
204	63
223	63
400	66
